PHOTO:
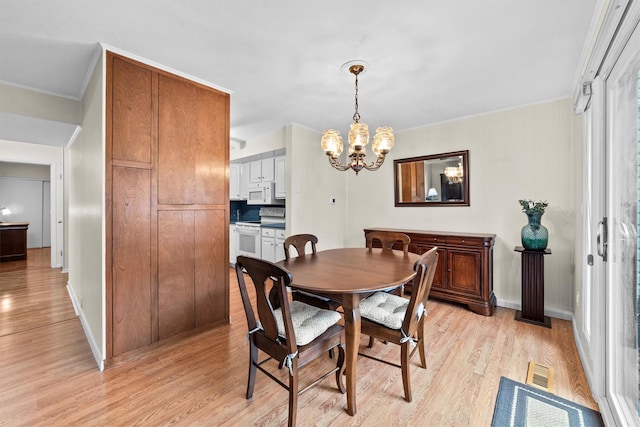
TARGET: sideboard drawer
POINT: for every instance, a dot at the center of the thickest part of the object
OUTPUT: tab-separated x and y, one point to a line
435	240
465	241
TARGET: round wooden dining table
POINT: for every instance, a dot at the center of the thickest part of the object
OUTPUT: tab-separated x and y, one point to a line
346	274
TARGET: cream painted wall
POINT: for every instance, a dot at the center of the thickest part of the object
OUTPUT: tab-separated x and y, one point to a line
268	142
22	152
526	152
24	170
87	217
16	100
312	182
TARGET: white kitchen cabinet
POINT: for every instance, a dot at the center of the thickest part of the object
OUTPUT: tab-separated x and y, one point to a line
281	182
235	181
232	244
272	244
269	244
262	171
246	179
279	245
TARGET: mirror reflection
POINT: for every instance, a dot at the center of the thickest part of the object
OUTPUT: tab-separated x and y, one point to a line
435	180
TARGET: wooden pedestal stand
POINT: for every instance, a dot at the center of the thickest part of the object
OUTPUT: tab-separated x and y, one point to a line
533	287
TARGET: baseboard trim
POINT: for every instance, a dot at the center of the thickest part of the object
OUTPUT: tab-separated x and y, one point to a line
551	312
95	349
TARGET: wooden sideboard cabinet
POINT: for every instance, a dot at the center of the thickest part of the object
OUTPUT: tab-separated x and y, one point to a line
465	265
13	241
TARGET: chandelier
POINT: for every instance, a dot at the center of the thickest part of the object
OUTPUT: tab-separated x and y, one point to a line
333	145
454	174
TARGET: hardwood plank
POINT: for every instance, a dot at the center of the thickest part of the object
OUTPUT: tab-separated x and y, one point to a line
30	295
48	375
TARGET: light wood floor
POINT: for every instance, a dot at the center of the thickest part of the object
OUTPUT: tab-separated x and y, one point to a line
48	375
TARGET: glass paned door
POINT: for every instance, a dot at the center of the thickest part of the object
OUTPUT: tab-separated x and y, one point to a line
622	263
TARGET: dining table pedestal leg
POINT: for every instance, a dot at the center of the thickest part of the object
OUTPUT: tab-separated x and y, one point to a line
351	306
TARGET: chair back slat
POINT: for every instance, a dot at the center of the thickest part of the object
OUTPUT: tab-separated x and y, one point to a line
387	239
299	241
266	278
425	269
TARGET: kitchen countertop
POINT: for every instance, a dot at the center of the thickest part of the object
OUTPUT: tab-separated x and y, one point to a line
267	225
275	225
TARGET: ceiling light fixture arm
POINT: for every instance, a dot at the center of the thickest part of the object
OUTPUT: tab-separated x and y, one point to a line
376	164
336	164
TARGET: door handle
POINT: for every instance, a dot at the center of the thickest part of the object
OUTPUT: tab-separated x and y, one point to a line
602	238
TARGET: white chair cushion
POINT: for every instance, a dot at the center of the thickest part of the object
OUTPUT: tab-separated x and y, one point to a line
309	322
385	308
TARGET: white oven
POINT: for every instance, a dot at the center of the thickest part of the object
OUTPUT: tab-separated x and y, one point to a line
248	239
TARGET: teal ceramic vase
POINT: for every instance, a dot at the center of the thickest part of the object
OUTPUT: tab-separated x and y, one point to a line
534	235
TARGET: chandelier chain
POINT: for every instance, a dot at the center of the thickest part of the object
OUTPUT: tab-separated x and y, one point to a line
356	115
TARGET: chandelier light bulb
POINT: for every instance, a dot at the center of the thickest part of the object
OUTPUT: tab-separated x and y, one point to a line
382	141
358	135
331	142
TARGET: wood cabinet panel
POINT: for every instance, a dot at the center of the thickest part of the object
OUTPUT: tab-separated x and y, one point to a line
464	273
13	241
176	266
131	255
192	144
132	112
441	267
211	294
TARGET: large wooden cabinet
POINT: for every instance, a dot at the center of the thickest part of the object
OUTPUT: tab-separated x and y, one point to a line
465	266
167	205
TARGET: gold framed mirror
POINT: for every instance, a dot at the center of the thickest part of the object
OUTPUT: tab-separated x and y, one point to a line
435	180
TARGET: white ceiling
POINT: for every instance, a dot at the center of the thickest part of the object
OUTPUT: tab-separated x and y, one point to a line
429	61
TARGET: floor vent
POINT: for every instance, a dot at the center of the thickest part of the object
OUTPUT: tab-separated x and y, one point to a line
540	376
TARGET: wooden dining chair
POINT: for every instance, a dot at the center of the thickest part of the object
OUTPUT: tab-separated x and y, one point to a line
299	242
387	239
399	320
292	333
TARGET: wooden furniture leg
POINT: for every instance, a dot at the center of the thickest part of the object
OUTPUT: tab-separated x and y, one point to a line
351	306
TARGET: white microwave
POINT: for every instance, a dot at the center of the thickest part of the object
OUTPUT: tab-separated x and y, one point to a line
263	194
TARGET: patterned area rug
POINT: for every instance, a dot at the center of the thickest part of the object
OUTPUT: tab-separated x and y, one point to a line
521	405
